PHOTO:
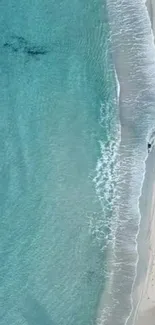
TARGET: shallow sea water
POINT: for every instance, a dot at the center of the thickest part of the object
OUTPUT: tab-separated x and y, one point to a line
57	106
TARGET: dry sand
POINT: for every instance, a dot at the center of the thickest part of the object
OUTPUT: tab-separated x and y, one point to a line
145	314
151	9
146	309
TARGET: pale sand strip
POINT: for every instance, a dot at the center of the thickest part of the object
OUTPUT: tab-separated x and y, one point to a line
145	314
146	309
151	9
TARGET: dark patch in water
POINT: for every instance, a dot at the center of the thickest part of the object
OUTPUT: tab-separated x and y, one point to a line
36	51
90	276
20	44
35	313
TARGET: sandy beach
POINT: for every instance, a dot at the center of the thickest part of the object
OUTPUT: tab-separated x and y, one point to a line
151	9
145	291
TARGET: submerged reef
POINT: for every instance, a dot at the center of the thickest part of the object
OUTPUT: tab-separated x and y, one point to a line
21	45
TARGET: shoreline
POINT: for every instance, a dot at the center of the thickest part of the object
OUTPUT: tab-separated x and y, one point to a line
146	244
144	291
135	78
130	63
144	288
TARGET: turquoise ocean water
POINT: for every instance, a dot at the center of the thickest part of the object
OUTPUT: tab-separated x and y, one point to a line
58	119
70	182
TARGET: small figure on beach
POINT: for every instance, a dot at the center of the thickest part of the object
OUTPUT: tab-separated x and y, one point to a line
149	147
151	142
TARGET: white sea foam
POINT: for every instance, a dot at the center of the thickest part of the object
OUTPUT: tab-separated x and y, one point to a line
105	184
105	178
118	85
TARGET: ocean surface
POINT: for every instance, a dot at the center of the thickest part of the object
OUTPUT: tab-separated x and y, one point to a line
70	181
59	139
